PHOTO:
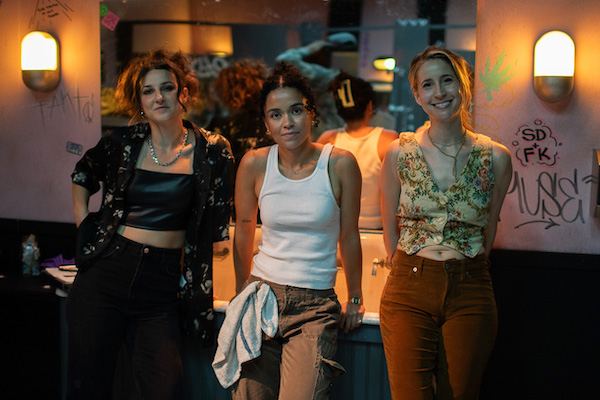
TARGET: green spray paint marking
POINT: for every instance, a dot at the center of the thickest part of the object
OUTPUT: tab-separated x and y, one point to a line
494	78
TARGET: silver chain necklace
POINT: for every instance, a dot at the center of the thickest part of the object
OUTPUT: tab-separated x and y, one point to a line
454	157
183	144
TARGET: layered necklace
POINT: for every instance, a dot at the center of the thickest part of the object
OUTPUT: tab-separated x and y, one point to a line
454	157
183	144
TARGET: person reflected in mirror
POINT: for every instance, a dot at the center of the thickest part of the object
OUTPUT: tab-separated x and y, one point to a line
309	198
167	189
354	99
314	62
238	89
442	190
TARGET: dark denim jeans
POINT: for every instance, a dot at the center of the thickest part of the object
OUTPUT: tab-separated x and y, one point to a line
298	362
438	322
128	296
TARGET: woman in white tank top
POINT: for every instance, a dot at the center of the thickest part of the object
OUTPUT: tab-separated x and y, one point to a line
354	99
309	197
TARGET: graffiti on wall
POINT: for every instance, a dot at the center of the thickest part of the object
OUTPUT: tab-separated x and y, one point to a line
535	144
544	199
62	103
46	10
495	82
208	67
548	199
498	93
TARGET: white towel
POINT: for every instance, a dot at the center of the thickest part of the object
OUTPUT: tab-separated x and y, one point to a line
250	313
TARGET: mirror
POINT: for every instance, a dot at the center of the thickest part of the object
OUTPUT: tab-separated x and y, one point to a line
216	33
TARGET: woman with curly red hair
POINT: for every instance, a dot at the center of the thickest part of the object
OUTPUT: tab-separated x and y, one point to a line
167	188
238	89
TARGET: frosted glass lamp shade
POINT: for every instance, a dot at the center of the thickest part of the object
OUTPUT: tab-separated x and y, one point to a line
40	61
554	66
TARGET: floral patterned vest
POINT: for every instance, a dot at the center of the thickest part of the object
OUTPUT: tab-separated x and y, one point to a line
456	218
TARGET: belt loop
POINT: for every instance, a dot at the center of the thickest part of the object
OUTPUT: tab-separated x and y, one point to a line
422	266
121	244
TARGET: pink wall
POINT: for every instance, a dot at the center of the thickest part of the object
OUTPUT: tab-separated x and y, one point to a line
548	205
39	133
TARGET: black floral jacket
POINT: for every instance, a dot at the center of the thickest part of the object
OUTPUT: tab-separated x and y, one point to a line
112	161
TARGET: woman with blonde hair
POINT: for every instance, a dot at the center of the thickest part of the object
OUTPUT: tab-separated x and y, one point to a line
442	191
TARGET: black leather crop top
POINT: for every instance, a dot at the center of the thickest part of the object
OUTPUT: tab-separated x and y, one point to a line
159	201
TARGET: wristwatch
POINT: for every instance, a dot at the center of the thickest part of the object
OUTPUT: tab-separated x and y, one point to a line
355	300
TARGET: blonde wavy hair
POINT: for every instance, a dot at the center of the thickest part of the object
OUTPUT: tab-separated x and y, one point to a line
462	70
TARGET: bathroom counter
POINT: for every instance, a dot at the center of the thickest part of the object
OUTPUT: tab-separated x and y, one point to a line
370	318
62	280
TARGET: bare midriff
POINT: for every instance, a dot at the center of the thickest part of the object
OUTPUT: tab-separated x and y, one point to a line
440	253
162	239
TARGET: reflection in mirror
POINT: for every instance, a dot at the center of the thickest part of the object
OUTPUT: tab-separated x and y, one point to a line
321	37
216	33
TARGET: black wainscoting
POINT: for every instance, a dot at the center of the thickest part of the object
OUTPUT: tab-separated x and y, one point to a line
547	345
549	325
30	360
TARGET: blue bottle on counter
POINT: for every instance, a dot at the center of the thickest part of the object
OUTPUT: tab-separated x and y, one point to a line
31	256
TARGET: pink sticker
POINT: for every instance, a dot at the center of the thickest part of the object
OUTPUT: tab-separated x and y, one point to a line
110	20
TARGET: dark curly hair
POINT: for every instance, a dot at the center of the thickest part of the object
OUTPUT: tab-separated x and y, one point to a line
462	70
239	85
356	93
127	93
287	75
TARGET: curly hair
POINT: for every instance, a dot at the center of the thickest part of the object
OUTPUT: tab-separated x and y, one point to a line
287	75
239	85
129	86
356	93
461	68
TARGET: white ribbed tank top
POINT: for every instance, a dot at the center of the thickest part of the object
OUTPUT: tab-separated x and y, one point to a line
300	226
364	150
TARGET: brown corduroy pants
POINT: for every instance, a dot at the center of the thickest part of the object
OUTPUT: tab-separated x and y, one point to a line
438	322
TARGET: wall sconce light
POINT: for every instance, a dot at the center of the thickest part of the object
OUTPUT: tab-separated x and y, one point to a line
554	66
384	63
40	61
